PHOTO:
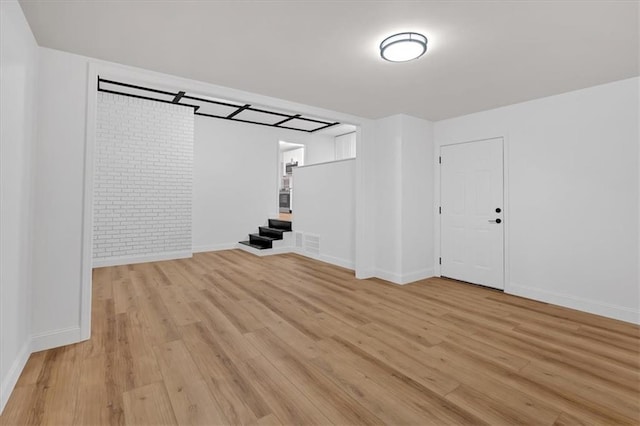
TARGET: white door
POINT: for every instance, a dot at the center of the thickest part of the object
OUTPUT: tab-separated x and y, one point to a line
472	212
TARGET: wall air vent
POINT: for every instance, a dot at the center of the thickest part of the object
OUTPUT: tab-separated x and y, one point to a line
312	244
218	108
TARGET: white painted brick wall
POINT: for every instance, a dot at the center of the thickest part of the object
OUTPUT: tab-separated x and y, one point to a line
143	179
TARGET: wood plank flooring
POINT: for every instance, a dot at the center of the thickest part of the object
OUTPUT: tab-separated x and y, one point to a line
229	338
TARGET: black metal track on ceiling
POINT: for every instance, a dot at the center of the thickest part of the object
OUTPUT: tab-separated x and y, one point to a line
179	96
286	119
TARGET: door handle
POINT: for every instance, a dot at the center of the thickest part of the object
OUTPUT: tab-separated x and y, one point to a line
496	221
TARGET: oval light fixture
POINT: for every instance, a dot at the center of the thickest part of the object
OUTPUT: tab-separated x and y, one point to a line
403	47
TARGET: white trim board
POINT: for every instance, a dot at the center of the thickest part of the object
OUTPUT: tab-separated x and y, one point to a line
265	252
326	259
403	279
584	305
130	260
36	343
327	162
86	286
283	250
9	382
213	247
56	338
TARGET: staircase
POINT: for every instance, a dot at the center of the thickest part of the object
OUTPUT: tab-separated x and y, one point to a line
267	235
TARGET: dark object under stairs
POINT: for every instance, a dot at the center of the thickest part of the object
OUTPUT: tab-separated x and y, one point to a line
268	234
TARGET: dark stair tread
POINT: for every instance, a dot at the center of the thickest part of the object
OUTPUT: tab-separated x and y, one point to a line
262	237
285	225
268	228
255	246
266	242
276	233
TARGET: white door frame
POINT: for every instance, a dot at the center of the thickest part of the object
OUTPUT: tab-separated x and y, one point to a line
506	209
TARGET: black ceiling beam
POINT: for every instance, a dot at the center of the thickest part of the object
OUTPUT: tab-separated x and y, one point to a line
178	97
298	116
195	107
133	86
313	121
271	112
238	111
251	122
290	117
286	119
194	98
324	127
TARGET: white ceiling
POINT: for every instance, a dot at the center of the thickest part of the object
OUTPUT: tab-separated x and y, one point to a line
481	54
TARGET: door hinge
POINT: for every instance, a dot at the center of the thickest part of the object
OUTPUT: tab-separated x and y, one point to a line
439	160
440	210
440	261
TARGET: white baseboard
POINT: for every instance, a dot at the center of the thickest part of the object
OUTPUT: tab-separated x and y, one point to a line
35	343
348	264
363	275
402	279
388	276
344	263
129	260
265	252
417	275
56	338
9	382
213	247
290	249
568	301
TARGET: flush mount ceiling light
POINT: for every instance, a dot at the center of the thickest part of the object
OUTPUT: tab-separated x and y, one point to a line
403	47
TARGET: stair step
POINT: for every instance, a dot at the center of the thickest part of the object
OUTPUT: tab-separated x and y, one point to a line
255	246
265	231
260	240
261	237
285	225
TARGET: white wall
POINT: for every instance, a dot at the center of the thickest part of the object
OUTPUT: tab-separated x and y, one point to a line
365	195
388	198
143	181
325	207
18	85
236	179
345	146
59	185
417	214
572	213
319	149
404	199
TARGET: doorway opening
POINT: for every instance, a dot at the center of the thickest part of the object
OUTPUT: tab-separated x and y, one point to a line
290	156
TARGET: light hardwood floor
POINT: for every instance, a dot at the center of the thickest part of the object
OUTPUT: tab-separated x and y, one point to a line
229	338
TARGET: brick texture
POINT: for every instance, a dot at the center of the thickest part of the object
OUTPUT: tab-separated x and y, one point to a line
143	180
